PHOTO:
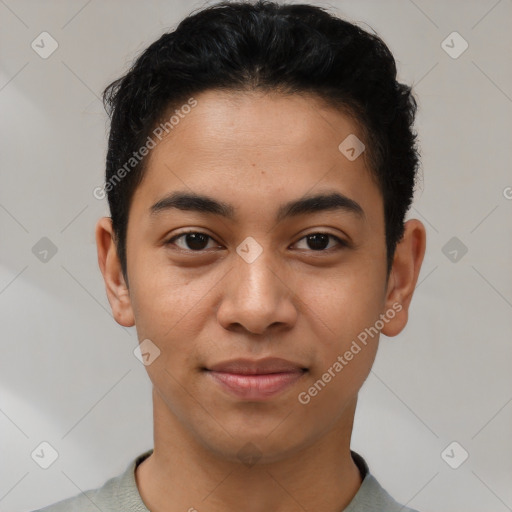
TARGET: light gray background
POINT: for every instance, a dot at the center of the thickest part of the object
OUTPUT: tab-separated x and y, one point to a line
68	373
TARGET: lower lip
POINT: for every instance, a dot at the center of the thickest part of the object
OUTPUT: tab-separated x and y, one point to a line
256	387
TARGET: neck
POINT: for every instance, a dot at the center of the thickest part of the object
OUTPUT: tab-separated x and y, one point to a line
182	474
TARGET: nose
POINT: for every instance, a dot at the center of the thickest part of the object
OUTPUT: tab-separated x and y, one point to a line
257	297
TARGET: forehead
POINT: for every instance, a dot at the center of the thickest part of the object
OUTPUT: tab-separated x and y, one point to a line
252	121
247	148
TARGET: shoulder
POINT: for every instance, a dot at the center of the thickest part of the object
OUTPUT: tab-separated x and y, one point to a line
87	501
117	494
371	495
375	497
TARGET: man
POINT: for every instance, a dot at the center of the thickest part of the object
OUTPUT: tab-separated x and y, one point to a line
260	165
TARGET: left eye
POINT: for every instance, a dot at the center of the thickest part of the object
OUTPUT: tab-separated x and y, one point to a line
320	241
197	241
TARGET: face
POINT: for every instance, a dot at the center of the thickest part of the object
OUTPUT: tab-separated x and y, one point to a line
259	277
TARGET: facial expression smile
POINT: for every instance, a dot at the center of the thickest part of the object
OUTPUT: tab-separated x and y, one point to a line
256	254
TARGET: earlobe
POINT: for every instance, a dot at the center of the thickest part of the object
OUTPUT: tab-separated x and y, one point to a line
404	276
110	266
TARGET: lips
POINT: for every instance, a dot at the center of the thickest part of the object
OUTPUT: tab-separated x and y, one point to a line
256	379
255	367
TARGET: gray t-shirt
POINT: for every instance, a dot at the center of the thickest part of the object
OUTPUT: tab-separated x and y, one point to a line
120	494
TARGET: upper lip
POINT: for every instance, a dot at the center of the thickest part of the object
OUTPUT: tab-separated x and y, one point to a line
256	367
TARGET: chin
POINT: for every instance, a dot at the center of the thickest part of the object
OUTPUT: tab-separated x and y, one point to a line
265	443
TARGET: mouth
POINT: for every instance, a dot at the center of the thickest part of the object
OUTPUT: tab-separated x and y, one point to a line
256	380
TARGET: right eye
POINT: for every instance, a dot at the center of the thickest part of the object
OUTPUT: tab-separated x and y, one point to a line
195	240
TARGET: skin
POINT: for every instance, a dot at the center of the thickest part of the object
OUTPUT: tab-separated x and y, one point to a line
256	152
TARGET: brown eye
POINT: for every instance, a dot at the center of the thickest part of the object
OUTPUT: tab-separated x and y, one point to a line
320	241
192	240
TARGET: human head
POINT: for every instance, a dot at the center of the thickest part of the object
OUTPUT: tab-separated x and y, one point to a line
265	46
255	144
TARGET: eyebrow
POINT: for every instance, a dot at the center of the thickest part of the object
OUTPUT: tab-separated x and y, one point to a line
190	201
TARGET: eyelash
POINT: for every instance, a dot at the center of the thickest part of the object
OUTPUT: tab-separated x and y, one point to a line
341	242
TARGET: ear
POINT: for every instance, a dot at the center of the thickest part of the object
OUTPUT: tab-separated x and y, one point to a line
110	266
404	275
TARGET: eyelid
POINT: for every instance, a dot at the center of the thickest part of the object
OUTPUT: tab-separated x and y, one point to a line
190	231
341	242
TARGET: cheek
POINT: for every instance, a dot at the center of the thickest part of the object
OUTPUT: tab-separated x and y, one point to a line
346	302
345	309
344	350
171	308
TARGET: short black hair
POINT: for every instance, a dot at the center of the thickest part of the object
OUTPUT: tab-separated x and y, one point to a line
270	47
